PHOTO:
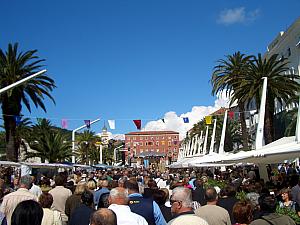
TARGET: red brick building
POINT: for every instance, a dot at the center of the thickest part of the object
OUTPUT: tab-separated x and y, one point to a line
153	144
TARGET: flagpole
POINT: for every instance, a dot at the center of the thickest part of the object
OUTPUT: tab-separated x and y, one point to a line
261	118
221	147
73	137
212	142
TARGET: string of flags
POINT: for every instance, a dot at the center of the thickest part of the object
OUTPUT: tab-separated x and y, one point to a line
233	115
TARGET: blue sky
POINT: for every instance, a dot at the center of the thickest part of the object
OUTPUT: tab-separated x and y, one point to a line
138	59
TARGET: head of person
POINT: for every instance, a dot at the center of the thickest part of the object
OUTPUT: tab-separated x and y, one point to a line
103	217
91	185
228	190
132	186
118	196
87	198
160	197
181	200
211	195
152	184
286	194
27	213
80	188
242	212
267	203
25	182
46	200
59	180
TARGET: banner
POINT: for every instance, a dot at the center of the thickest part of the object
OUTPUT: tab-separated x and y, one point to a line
138	124
163	120
186	120
87	123
112	124
231	115
64	123
208	120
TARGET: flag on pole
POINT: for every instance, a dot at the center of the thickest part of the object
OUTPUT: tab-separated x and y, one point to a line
231	115
138	124
111	124
87	123
64	123
163	120
208	120
186	120
18	120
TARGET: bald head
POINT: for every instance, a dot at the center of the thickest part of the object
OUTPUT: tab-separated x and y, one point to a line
103	216
118	196
211	195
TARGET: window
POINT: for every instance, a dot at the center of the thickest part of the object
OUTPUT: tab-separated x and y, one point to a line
169	137
146	138
141	138
157	143
157	150
169	143
141	143
163	143
128	138
157	138
175	137
134	138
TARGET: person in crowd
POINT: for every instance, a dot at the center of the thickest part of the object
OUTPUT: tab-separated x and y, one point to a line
267	205
145	207
51	217
287	201
91	186
27	212
213	214
60	195
242	213
160	197
11	200
228	199
150	189
296	192
35	189
102	189
75	199
198	194
181	201
81	214
118	202
103	217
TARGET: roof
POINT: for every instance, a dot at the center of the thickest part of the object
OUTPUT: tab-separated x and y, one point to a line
151	154
152	132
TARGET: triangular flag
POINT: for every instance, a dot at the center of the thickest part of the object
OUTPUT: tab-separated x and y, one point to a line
111	124
18	120
185	119
64	123
163	120
231	115
87	123
138	124
208	120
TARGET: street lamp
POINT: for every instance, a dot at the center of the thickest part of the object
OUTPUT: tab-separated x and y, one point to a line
115	152
73	137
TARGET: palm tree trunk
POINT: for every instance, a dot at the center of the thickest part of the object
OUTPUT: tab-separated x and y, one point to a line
11	139
243	126
269	120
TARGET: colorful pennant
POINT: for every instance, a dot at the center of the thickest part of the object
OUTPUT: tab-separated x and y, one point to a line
87	123
186	120
231	115
138	124
64	123
208	120
111	124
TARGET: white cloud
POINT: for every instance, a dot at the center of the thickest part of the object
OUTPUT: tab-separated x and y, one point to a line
237	15
174	122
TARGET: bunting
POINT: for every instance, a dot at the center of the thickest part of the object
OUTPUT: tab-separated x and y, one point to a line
231	115
208	120
111	124
163	120
18	120
64	123
87	123
138	124
186	120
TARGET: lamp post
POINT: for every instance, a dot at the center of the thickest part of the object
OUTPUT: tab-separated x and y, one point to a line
115	152
73	137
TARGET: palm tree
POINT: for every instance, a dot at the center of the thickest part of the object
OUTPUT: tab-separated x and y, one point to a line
226	77
14	66
282	86
86	144
51	146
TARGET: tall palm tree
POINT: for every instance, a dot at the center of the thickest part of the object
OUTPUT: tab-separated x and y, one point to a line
86	144
226	77
14	66
282	86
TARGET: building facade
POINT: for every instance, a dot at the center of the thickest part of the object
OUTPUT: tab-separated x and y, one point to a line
149	144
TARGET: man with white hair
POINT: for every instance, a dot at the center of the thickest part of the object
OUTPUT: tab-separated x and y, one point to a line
181	207
118	200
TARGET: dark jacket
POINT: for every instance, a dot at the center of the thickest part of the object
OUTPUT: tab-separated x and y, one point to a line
81	215
274	219
143	207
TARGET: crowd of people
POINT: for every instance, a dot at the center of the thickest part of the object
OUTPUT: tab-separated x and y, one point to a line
128	196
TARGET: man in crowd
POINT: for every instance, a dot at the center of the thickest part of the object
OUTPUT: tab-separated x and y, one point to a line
147	208
11	200
267	205
213	214
103	217
118	200
181	207
60	195
102	189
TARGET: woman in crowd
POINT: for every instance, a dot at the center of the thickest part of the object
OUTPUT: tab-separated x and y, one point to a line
287	201
51	217
242	213
27	213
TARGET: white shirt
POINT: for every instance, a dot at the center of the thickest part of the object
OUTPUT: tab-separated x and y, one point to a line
36	190
126	217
